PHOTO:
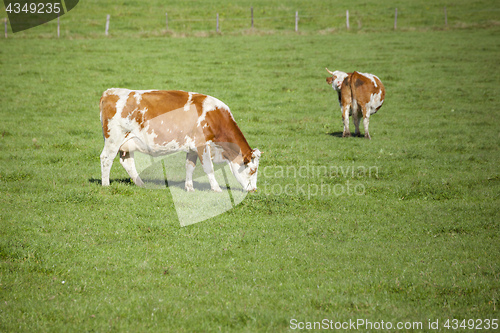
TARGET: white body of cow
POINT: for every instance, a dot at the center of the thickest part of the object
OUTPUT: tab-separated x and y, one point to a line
157	122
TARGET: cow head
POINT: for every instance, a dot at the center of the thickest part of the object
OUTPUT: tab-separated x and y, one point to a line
336	79
246	173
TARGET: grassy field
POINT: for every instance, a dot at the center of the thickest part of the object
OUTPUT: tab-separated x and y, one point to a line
133	18
402	228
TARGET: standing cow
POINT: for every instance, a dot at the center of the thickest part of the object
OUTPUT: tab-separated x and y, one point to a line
157	122
360	94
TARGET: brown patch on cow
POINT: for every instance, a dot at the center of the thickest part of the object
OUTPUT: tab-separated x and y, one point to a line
198	100
358	82
329	80
107	105
222	129
131	110
161	102
156	103
363	91
252	171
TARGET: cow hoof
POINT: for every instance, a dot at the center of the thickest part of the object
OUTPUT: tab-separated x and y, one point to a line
346	135
217	190
367	136
139	182
189	189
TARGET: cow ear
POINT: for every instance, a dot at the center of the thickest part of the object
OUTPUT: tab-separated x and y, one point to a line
256	153
251	155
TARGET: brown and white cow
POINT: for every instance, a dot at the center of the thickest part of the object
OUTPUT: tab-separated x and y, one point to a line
360	95
158	122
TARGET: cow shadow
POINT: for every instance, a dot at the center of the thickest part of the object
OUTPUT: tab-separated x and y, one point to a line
339	135
111	181
336	134
156	183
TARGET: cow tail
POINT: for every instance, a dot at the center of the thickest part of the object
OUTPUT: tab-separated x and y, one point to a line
346	86
100	106
351	89
100	116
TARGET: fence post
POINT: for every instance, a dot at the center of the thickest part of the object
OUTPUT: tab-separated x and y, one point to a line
5	23
296	21
251	11
58	29
217	28
445	17
166	20
107	25
396	19
347	19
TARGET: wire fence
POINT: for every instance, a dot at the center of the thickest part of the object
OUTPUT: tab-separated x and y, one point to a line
173	24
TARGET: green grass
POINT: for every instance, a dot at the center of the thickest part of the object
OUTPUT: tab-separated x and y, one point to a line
416	239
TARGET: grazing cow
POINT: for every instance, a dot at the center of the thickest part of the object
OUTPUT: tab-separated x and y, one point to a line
360	94
157	122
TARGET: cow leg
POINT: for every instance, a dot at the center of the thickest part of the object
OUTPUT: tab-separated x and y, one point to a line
356	117
345	118
366	122
191	158
128	163
366	111
107	156
208	167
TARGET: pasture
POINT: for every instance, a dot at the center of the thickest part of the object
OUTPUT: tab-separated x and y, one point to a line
402	228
